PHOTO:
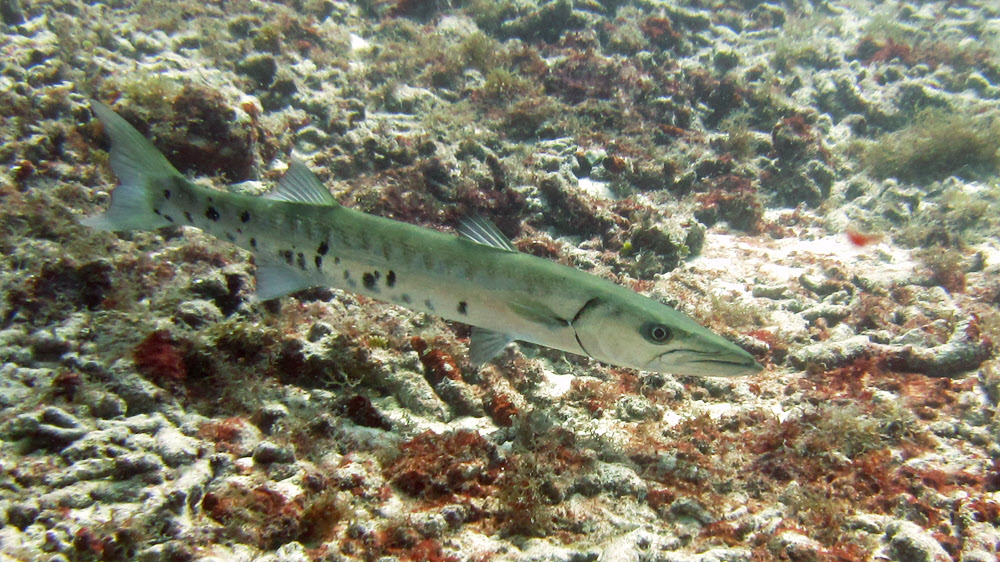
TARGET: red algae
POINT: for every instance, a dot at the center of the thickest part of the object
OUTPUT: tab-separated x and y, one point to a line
161	358
502	410
862	239
438	364
361	411
439	467
660	32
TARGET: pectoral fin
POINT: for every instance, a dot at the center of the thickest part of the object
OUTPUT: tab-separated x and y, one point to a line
538	313
486	344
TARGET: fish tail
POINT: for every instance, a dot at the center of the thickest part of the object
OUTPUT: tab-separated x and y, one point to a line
143	171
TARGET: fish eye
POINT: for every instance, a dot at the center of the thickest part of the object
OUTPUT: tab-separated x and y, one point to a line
656	333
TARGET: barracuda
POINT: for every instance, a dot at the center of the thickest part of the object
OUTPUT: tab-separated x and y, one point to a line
301	237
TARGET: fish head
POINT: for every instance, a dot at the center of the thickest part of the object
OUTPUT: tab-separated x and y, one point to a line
644	334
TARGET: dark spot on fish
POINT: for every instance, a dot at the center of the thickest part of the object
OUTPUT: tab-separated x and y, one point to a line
406	298
169	218
253	243
336	260
212	214
301	260
347	275
288	256
245	216
157	211
463	307
368	280
188	217
323	248
390	280
166	194
319	262
231	237
429	304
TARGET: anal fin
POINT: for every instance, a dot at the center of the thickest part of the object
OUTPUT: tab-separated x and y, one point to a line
277	280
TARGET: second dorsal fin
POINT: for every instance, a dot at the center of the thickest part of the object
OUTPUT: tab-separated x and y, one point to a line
300	185
482	231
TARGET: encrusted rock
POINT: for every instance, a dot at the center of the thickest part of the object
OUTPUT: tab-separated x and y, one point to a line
690	508
268	452
197	313
797	547
174	447
909	541
636	408
614	479
831	354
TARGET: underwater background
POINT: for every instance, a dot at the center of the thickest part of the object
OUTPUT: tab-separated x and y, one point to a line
816	181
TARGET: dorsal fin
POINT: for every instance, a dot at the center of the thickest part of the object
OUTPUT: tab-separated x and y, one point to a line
300	185
482	231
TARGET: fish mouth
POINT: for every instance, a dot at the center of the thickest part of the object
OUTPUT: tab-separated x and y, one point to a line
687	362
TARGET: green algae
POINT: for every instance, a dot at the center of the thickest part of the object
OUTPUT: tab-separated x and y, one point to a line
937	144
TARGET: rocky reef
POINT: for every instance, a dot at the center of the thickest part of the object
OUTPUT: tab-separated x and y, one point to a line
816	181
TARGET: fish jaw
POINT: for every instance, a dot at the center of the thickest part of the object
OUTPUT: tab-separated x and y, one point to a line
729	363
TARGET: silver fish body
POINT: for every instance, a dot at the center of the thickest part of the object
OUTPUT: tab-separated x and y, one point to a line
302	238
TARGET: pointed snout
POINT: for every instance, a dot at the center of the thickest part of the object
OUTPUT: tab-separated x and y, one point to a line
730	361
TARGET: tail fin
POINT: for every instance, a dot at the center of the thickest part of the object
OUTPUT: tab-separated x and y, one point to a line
142	170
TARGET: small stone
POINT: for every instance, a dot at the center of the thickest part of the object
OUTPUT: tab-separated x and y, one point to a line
11	12
259	67
140	395
23	514
831	354
24	425
797	547
615	479
318	331
109	442
47	346
107	406
911	542
190	486
831	312
269	416
636	408
460	397
267	452
56	438
132	464
167	552
59	418
197	313
691	509
144	423
174	447
416	394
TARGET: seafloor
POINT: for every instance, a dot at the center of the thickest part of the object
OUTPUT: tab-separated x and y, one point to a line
815	180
